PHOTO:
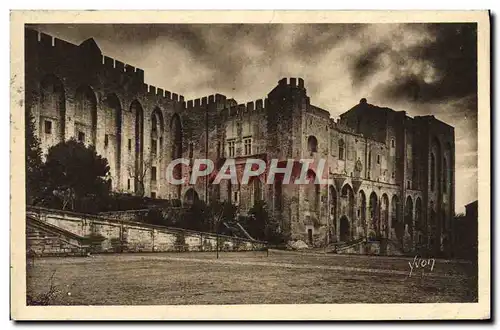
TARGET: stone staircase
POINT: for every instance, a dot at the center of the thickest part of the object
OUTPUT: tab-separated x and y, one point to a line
352	246
46	239
363	246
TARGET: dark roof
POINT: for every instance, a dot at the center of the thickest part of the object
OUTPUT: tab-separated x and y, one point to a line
91	46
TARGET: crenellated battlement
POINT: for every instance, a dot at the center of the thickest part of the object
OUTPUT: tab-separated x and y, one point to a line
122	68
245	108
46	41
288	89
291	82
206	101
92	52
154	91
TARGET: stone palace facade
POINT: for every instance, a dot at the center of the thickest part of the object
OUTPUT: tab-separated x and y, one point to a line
393	175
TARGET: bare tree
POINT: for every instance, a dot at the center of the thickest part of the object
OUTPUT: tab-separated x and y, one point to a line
67	196
139	170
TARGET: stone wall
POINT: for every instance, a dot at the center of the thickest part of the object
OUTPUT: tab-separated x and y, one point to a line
43	239
111	235
128	215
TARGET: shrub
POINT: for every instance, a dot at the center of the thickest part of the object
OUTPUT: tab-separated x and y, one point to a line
180	242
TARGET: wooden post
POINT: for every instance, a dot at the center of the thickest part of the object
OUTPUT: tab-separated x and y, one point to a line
153	239
217	244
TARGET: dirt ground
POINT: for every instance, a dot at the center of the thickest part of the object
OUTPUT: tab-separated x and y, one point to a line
247	278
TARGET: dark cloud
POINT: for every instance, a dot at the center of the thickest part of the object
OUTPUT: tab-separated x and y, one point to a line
317	39
451	53
367	63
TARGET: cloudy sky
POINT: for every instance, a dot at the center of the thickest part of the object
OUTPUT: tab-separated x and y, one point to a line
419	68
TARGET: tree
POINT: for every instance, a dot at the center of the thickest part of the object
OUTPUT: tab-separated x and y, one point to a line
220	212
139	170
262	226
197	217
33	159
74	172
256	222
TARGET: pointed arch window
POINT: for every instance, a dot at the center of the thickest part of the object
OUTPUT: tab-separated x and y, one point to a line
341	149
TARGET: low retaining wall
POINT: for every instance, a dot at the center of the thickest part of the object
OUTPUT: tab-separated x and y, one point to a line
131	215
111	235
372	248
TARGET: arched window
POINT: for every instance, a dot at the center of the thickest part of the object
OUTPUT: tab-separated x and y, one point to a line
313	191
341	149
418	215
154	124
409	212
395	211
384	215
373	208
191	197
333	202
176	136
312	144
348	200
362	207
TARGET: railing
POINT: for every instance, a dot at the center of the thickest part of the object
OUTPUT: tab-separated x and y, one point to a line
346	245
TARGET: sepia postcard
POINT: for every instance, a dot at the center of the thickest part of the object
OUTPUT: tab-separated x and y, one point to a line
263	165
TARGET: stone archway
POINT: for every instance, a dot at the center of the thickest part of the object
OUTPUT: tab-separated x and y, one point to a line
190	197
384	216
333	210
344	229
312	144
373	224
362	211
408	216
